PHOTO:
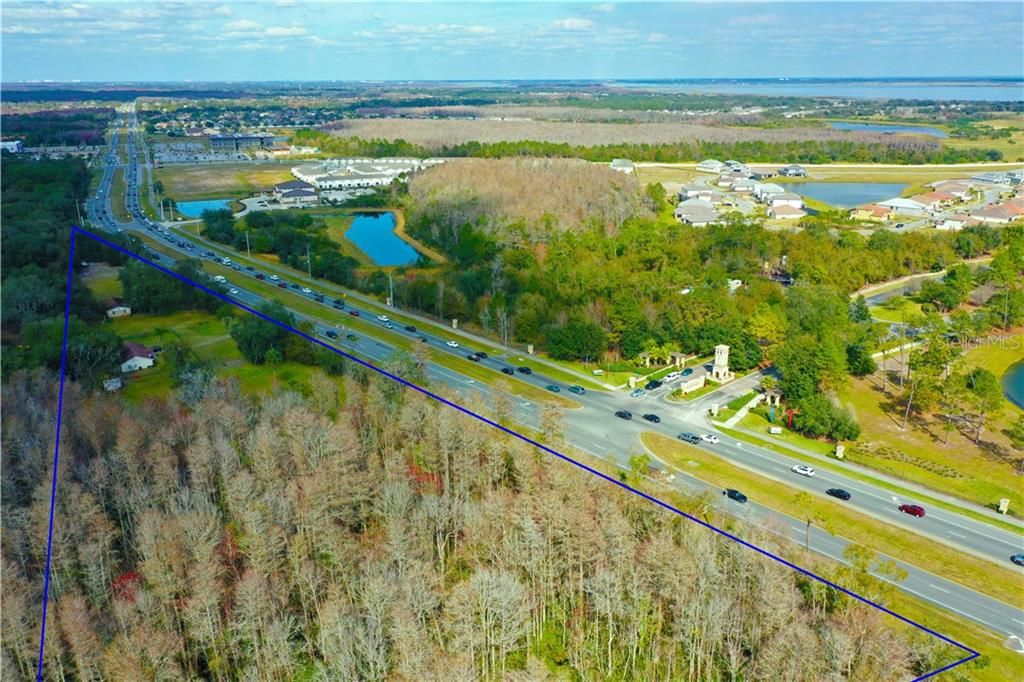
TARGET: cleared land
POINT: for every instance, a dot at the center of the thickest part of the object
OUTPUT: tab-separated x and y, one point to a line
220	181
102	281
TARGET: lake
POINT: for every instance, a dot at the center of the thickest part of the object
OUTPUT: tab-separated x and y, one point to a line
374	234
975	90
1013	384
881	128
194	209
846	194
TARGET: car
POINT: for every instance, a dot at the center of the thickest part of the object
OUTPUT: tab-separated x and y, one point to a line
652	384
236	266
232	290
734	495
473	357
294	286
249	268
354	313
410	328
507	370
803	470
710	438
553	388
688	437
274	277
211	254
319	298
624	414
900	226
686	372
524	370
838	492
480	354
578	390
452	344
423	339
638	392
383	318
282	285
307	290
331	334
653	418
351	337
1018	559
338	303
913	509
388	325
260	275
671	376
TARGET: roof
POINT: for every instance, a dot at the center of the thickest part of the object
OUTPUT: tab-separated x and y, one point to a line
875	210
622	163
787	196
695	203
932	197
999	212
900	202
292	184
130	350
293	193
786	211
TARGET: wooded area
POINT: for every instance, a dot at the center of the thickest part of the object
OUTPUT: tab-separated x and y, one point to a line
70	127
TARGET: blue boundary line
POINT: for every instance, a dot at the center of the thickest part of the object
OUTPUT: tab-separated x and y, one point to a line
60	404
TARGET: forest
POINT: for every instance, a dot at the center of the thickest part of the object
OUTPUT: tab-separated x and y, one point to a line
65	127
365	532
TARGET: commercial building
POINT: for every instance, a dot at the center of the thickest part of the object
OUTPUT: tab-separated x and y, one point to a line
335	174
240	142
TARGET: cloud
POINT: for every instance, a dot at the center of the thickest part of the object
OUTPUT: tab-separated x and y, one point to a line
242	25
656	37
754	20
284	31
222	11
574	24
603	7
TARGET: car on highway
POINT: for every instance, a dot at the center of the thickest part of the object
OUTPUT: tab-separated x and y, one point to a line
351	337
653	418
331	334
688	437
249	268
319	298
803	470
637	393
423	339
232	290
383	318
524	370
282	285
307	290
274	277
338	303
553	388
652	384
838	493
1018	559
624	414
912	509
388	325
480	354
578	390
734	495
472	357
507	370
452	344
260	275
710	438
410	328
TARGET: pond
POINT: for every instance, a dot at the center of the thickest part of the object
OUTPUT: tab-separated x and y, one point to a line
882	128
1013	384
194	209
374	234
847	194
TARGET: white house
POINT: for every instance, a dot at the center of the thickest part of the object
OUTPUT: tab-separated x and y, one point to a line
743	185
622	165
954	223
12	146
1016	177
793	170
994	178
786	199
904	206
725	180
786	212
764	191
710	166
118	311
135	356
959	190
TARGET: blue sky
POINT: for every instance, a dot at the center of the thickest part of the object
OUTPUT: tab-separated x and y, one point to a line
288	40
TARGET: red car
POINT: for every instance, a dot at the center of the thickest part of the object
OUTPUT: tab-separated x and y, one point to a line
912	509
282	285
354	313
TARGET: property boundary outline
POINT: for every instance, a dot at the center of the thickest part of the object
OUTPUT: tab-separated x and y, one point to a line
75	231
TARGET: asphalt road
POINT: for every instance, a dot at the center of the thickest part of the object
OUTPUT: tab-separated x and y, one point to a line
594	429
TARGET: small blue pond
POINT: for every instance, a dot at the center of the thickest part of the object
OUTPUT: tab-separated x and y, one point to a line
882	128
1013	384
847	194
194	209
374	234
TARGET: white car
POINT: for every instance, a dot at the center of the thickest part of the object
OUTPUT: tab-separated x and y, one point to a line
453	344
274	277
388	325
710	438
671	376
307	290
232	291
383	318
803	470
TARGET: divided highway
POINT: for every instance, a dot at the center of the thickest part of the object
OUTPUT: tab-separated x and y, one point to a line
594	429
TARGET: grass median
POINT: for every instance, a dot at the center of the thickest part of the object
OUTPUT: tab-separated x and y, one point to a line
977	574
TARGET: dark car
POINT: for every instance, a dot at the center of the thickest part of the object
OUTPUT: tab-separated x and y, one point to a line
624	414
652	384
553	388
351	337
578	390
293	285
688	437
249	268
1018	559
734	495
260	275
211	254
331	334
507	370
912	509
339	303
838	492
319	298
282	285
653	418
480	354
354	313
687	372
524	370
473	357
410	328
423	339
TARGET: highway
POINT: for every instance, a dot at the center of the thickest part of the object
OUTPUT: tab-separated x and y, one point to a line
593	428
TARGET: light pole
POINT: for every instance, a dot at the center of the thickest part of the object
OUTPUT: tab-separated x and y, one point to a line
247	251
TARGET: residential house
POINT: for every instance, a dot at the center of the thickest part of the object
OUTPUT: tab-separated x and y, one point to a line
992	178
871	212
904	206
623	166
12	146
997	214
933	201
786	212
793	171
743	185
725	180
135	356
955	222
787	199
696	212
700	191
710	166
764	191
959	190
295	193
117	309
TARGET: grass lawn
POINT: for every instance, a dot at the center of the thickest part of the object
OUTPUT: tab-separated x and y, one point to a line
756	422
117	194
1012	147
220	181
667	174
836	518
336	228
708	388
896	309
102	281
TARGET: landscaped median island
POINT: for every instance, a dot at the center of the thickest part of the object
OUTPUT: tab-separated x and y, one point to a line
977	574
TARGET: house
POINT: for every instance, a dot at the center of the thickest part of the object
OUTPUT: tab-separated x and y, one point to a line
743	185
12	146
298	197
793	171
871	212
117	309
763	191
710	166
787	199
733	285
904	206
933	201
959	190
786	212
993	178
955	222
700	191
998	214
696	212
111	385
725	180
1016	177
135	356
623	165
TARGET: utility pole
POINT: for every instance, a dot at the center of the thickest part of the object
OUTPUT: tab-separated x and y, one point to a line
391	290
247	251
78	210
309	263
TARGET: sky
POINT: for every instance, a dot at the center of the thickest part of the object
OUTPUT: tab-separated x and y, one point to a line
290	40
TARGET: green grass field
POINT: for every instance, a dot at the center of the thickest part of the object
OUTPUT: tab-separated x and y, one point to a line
102	281
896	309
983	576
220	181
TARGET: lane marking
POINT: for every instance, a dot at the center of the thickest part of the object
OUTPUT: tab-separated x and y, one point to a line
936	587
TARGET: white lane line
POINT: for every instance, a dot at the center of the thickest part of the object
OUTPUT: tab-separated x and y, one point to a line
957	534
936	587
